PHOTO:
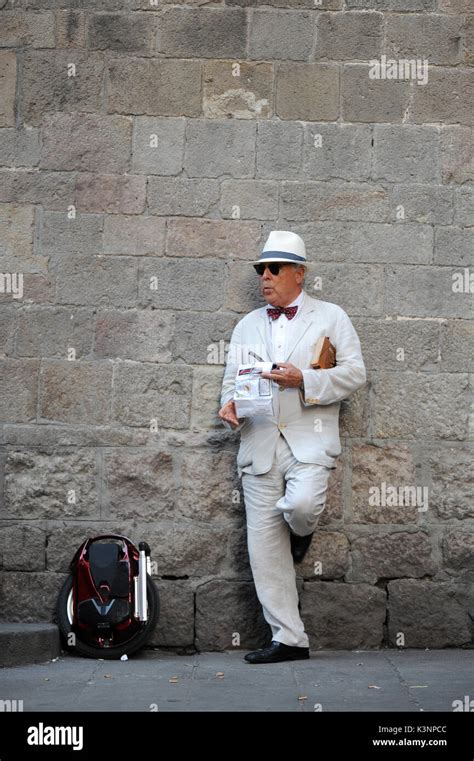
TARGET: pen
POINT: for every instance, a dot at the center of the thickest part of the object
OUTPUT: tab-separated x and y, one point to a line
274	365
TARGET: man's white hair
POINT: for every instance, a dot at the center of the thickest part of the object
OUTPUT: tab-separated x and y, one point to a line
299	265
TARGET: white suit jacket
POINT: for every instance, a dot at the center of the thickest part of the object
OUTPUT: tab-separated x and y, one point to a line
308	420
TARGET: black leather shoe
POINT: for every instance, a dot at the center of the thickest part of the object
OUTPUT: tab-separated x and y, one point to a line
277	652
299	545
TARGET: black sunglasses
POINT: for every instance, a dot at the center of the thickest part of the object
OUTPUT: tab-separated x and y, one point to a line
274	267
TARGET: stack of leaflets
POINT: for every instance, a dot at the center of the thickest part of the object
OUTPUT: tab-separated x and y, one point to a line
253	394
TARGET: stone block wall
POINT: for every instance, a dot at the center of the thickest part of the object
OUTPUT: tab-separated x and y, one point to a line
146	150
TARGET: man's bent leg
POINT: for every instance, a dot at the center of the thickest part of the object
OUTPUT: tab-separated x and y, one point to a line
270	556
305	495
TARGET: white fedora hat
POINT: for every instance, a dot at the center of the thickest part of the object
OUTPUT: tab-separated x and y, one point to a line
283	246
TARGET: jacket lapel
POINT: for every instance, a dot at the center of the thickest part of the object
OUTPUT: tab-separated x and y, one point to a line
302	324
263	329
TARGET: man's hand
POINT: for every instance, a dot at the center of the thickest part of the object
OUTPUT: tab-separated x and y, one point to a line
286	375
229	413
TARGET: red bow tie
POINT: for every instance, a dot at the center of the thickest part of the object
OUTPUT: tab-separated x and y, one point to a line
275	312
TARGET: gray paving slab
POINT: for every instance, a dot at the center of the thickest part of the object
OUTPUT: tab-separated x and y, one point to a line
387	680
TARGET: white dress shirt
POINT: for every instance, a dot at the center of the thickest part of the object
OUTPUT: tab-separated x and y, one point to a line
281	330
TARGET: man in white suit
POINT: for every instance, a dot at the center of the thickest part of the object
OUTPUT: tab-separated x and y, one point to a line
285	459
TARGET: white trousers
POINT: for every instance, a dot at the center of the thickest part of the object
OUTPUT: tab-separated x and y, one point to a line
292	494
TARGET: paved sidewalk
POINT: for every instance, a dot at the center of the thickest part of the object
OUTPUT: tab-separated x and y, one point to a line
388	680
